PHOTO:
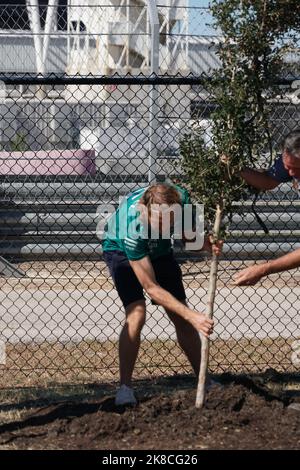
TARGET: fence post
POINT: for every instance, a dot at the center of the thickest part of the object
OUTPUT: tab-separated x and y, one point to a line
51	10
35	26
154	94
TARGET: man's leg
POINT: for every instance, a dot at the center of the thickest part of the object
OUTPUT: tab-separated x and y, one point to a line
130	338
188	339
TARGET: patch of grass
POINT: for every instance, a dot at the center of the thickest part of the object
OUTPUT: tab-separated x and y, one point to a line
30	365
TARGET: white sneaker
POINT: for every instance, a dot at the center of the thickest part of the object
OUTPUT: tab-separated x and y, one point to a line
125	396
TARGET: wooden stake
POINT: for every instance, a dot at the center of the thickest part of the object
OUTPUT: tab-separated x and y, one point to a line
200	397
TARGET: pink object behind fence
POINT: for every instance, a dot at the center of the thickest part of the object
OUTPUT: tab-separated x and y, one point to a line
51	162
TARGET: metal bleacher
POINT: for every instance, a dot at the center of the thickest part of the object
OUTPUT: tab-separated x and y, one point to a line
58	220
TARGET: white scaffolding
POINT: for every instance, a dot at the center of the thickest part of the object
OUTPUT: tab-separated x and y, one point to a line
41	38
114	35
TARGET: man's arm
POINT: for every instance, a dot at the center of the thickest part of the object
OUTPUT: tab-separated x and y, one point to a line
263	179
259	179
144	272
253	274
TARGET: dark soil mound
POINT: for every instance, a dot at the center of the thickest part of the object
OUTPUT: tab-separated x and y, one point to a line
236	416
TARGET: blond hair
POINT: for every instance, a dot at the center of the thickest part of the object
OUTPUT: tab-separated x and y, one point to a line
160	193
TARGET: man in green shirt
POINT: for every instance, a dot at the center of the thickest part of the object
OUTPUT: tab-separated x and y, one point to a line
140	261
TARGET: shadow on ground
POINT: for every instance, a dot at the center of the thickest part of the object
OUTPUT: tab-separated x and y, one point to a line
247	411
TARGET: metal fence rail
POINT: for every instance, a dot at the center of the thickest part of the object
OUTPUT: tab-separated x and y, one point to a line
64	155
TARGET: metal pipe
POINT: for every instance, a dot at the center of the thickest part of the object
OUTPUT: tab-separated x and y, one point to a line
154	93
51	10
51	79
89	192
34	18
82	217
93	251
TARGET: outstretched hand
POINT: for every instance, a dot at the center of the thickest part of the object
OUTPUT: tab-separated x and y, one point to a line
249	276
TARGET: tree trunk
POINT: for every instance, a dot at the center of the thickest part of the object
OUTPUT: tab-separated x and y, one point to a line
200	397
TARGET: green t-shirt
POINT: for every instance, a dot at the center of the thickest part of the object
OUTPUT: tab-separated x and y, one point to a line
125	232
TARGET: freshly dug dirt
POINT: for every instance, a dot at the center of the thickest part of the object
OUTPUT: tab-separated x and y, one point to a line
239	415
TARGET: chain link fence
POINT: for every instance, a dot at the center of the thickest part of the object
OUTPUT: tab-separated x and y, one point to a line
68	152
96	127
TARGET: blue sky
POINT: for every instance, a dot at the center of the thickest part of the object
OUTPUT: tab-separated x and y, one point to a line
199	3
199	18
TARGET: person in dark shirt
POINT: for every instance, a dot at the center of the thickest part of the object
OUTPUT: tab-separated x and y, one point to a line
285	168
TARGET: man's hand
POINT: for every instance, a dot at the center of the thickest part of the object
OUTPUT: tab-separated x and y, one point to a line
224	159
212	247
202	323
250	276
144	271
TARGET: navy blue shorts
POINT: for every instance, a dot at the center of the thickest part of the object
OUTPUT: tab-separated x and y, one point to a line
167	272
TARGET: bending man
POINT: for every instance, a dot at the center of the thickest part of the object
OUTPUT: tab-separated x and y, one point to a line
146	263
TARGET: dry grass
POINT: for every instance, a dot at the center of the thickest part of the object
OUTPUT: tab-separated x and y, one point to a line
46	363
39	375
